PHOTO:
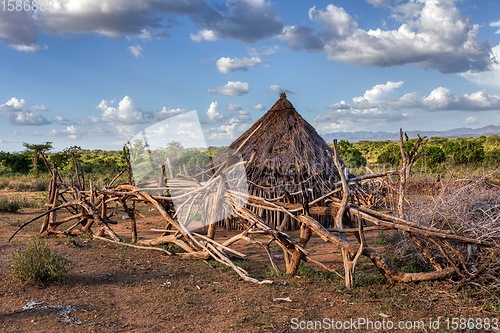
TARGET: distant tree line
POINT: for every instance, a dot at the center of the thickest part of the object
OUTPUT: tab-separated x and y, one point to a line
481	151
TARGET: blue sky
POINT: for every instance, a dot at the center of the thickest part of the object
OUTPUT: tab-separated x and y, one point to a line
94	73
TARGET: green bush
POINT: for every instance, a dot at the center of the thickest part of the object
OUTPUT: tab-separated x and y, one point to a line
391	154
9	206
465	151
492	157
433	156
351	156
37	262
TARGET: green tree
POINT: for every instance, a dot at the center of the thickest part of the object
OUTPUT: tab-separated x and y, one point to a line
493	140
464	151
15	163
433	156
351	156
35	150
492	157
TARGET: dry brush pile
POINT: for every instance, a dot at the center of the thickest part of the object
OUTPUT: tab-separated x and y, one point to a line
451	245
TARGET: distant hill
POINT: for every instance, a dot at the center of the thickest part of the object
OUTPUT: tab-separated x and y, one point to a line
382	136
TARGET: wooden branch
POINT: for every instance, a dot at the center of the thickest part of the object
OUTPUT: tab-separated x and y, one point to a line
134	246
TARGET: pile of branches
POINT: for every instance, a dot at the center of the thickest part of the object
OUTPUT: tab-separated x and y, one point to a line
89	213
470	207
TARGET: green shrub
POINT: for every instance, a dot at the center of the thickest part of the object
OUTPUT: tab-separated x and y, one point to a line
492	157
433	156
351	156
464	151
9	206
37	262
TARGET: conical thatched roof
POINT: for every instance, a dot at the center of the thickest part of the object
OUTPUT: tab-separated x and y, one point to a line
285	143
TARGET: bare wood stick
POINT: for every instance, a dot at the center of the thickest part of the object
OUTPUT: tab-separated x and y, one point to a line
223	247
168	239
52	200
129	168
402	176
69	218
134	246
346	256
116	177
390	272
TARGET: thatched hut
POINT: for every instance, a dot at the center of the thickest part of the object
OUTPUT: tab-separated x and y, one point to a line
289	156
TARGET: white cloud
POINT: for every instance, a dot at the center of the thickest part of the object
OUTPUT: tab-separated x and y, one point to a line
241	116
32	48
37	108
228	131
436	36
27	119
18	116
231	89
488	78
497	25
145	35
439	99
228	65
379	3
338	23
266	50
15	104
471	121
301	37
167	113
204	35
274	88
136	51
380	90
259	107
212	113
233	107
62	121
127	113
247	21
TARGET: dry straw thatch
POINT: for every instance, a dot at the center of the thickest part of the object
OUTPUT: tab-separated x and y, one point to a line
284	153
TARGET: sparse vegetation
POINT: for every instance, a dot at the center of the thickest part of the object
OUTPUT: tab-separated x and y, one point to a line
37	262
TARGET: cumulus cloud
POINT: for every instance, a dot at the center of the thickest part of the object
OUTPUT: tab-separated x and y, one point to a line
27	119
244	20
228	65
301	37
62	121
226	132
127	113
496	25
377	92
213	114
274	88
167	113
266	50
379	3
242	116
233	107
470	121
259	107
433	34
338	23
439	99
136	51
231	89
491	77
19	116
204	35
